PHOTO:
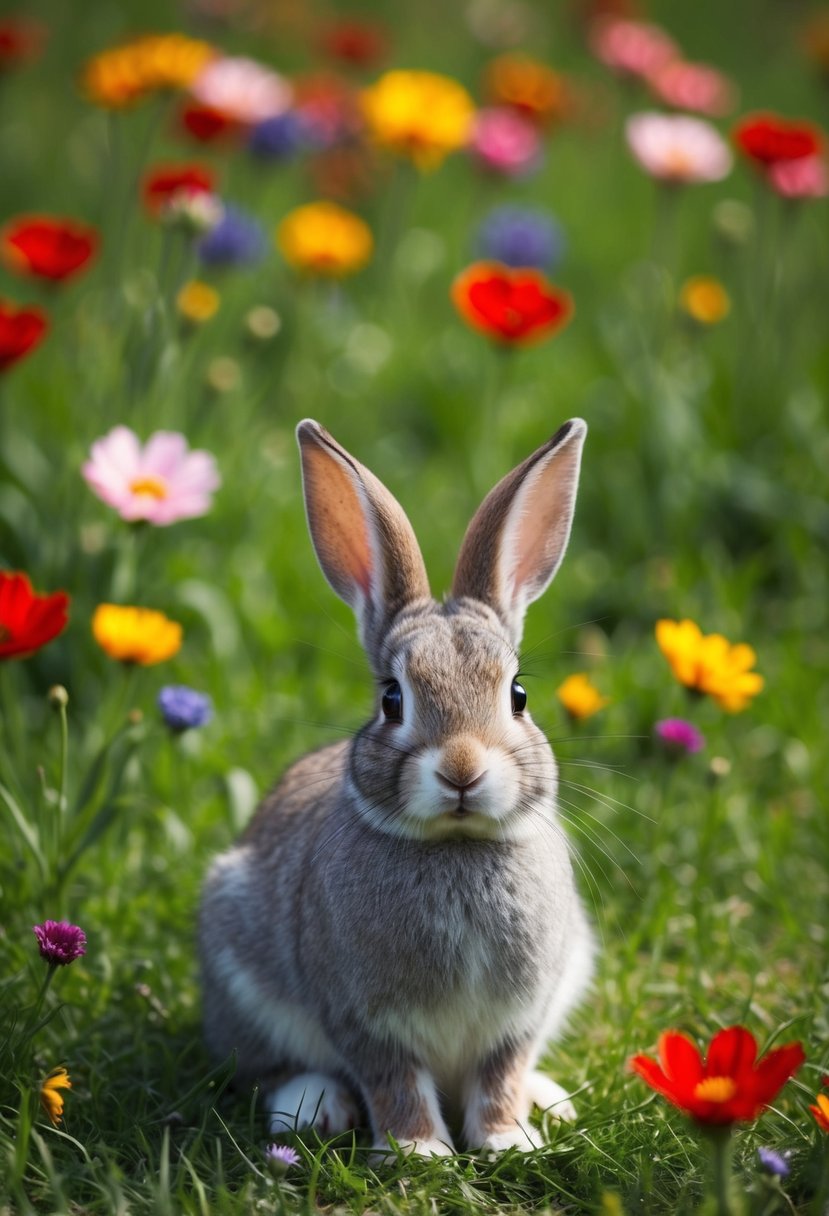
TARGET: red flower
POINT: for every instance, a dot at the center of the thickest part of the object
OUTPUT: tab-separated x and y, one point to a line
47	247
359	43
729	1086
167	182
515	307
28	621
205	123
21	40
20	331
767	139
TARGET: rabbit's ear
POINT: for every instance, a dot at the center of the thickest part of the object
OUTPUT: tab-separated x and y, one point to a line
517	538
363	540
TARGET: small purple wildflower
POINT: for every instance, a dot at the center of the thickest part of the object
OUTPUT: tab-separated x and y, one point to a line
521	236
280	137
60	943
776	1163
680	738
237	239
280	1157
183	708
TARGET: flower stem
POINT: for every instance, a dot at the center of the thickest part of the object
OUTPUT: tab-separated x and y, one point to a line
721	1152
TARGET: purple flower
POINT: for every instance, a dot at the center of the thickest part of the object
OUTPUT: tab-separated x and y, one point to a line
280	1157
521	236
60	943
183	708
237	239
279	137
774	1162
680	738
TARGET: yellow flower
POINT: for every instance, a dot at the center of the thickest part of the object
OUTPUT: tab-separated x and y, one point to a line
118	77
579	697
710	664
50	1098
323	238
197	302
527	85
704	299
136	635
422	115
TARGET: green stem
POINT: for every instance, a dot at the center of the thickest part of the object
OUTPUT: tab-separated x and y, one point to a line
31	1020
721	1152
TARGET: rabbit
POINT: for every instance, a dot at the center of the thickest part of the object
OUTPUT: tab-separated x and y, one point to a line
398	932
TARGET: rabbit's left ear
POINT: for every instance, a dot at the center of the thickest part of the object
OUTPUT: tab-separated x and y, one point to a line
517	538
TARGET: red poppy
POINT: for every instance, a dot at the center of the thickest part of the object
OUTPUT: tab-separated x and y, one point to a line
729	1086
21	329
27	620
516	307
48	247
359	43
769	139
205	123
21	40
167	182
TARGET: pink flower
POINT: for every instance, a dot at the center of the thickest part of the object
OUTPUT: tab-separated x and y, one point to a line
633	48
677	149
160	483
679	736
242	89
504	142
804	178
692	86
59	942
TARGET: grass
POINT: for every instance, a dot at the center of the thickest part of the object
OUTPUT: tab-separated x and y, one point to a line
703	496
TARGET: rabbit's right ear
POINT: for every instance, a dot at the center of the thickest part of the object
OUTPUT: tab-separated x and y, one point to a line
363	540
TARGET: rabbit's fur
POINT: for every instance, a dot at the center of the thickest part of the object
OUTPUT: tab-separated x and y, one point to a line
398	929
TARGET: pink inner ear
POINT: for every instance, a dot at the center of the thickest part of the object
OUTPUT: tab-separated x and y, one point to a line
338	526
538	537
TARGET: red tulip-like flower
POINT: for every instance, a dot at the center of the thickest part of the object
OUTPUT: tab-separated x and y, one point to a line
27	620
48	247
205	123
167	184
514	307
21	329
767	139
731	1085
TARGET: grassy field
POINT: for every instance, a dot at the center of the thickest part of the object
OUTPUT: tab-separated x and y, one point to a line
703	496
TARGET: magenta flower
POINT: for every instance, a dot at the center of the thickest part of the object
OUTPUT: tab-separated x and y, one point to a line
161	482
677	149
680	738
505	143
632	48
693	86
60	943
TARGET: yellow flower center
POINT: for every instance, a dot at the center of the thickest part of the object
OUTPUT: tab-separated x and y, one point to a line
715	1089
152	486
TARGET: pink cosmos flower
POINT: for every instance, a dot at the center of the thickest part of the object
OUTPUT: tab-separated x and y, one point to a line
504	142
161	482
693	86
678	149
242	89
679	736
632	48
804	178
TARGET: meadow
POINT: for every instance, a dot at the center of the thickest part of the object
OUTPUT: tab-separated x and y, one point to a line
695	349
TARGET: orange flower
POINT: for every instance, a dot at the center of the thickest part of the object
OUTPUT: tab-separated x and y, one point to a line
514	307
821	1112
421	115
710	664
529	86
323	238
135	635
51	1098
704	299
579	697
125	74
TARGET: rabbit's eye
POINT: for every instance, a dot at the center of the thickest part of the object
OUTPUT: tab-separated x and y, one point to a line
393	702
519	697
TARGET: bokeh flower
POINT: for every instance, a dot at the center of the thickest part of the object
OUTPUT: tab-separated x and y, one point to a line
692	86
729	1085
580	697
51	1099
504	142
710	664
21	330
704	299
766	139
807	177
184	708
197	302
165	186
21	40
280	137
676	148
528	86
135	635
631	48
679	737
60	943
236	240
28	620
47	247
521	236
325	239
124	75
820	1110
242	89
513	307
161	482
355	43
205	124
774	1162
420	115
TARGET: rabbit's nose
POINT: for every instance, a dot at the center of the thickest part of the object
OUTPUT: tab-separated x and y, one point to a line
460	784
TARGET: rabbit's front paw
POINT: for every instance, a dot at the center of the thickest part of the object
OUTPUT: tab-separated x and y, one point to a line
554	1100
311	1100
520	1136
382	1153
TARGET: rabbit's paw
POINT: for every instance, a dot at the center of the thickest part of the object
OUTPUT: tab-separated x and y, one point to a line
382	1153
520	1136
550	1097
312	1100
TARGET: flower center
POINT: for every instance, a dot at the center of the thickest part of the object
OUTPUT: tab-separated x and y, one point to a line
715	1089
154	487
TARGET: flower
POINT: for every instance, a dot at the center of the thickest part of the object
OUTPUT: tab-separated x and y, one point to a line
183	708
328	108
21	40
242	89
776	1163
280	1157
631	48
528	86
236	240
279	137
197	302
162	482
21	330
704	299
60	943
766	139
135	635
323	238
514	307
710	664
807	177
263	323
28	620
205	123
420	115
504	142
679	737
730	1085
821	1112
47	247
677	149
360	44
50	1097
167	185
579	697
125	74
692	86
521	236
